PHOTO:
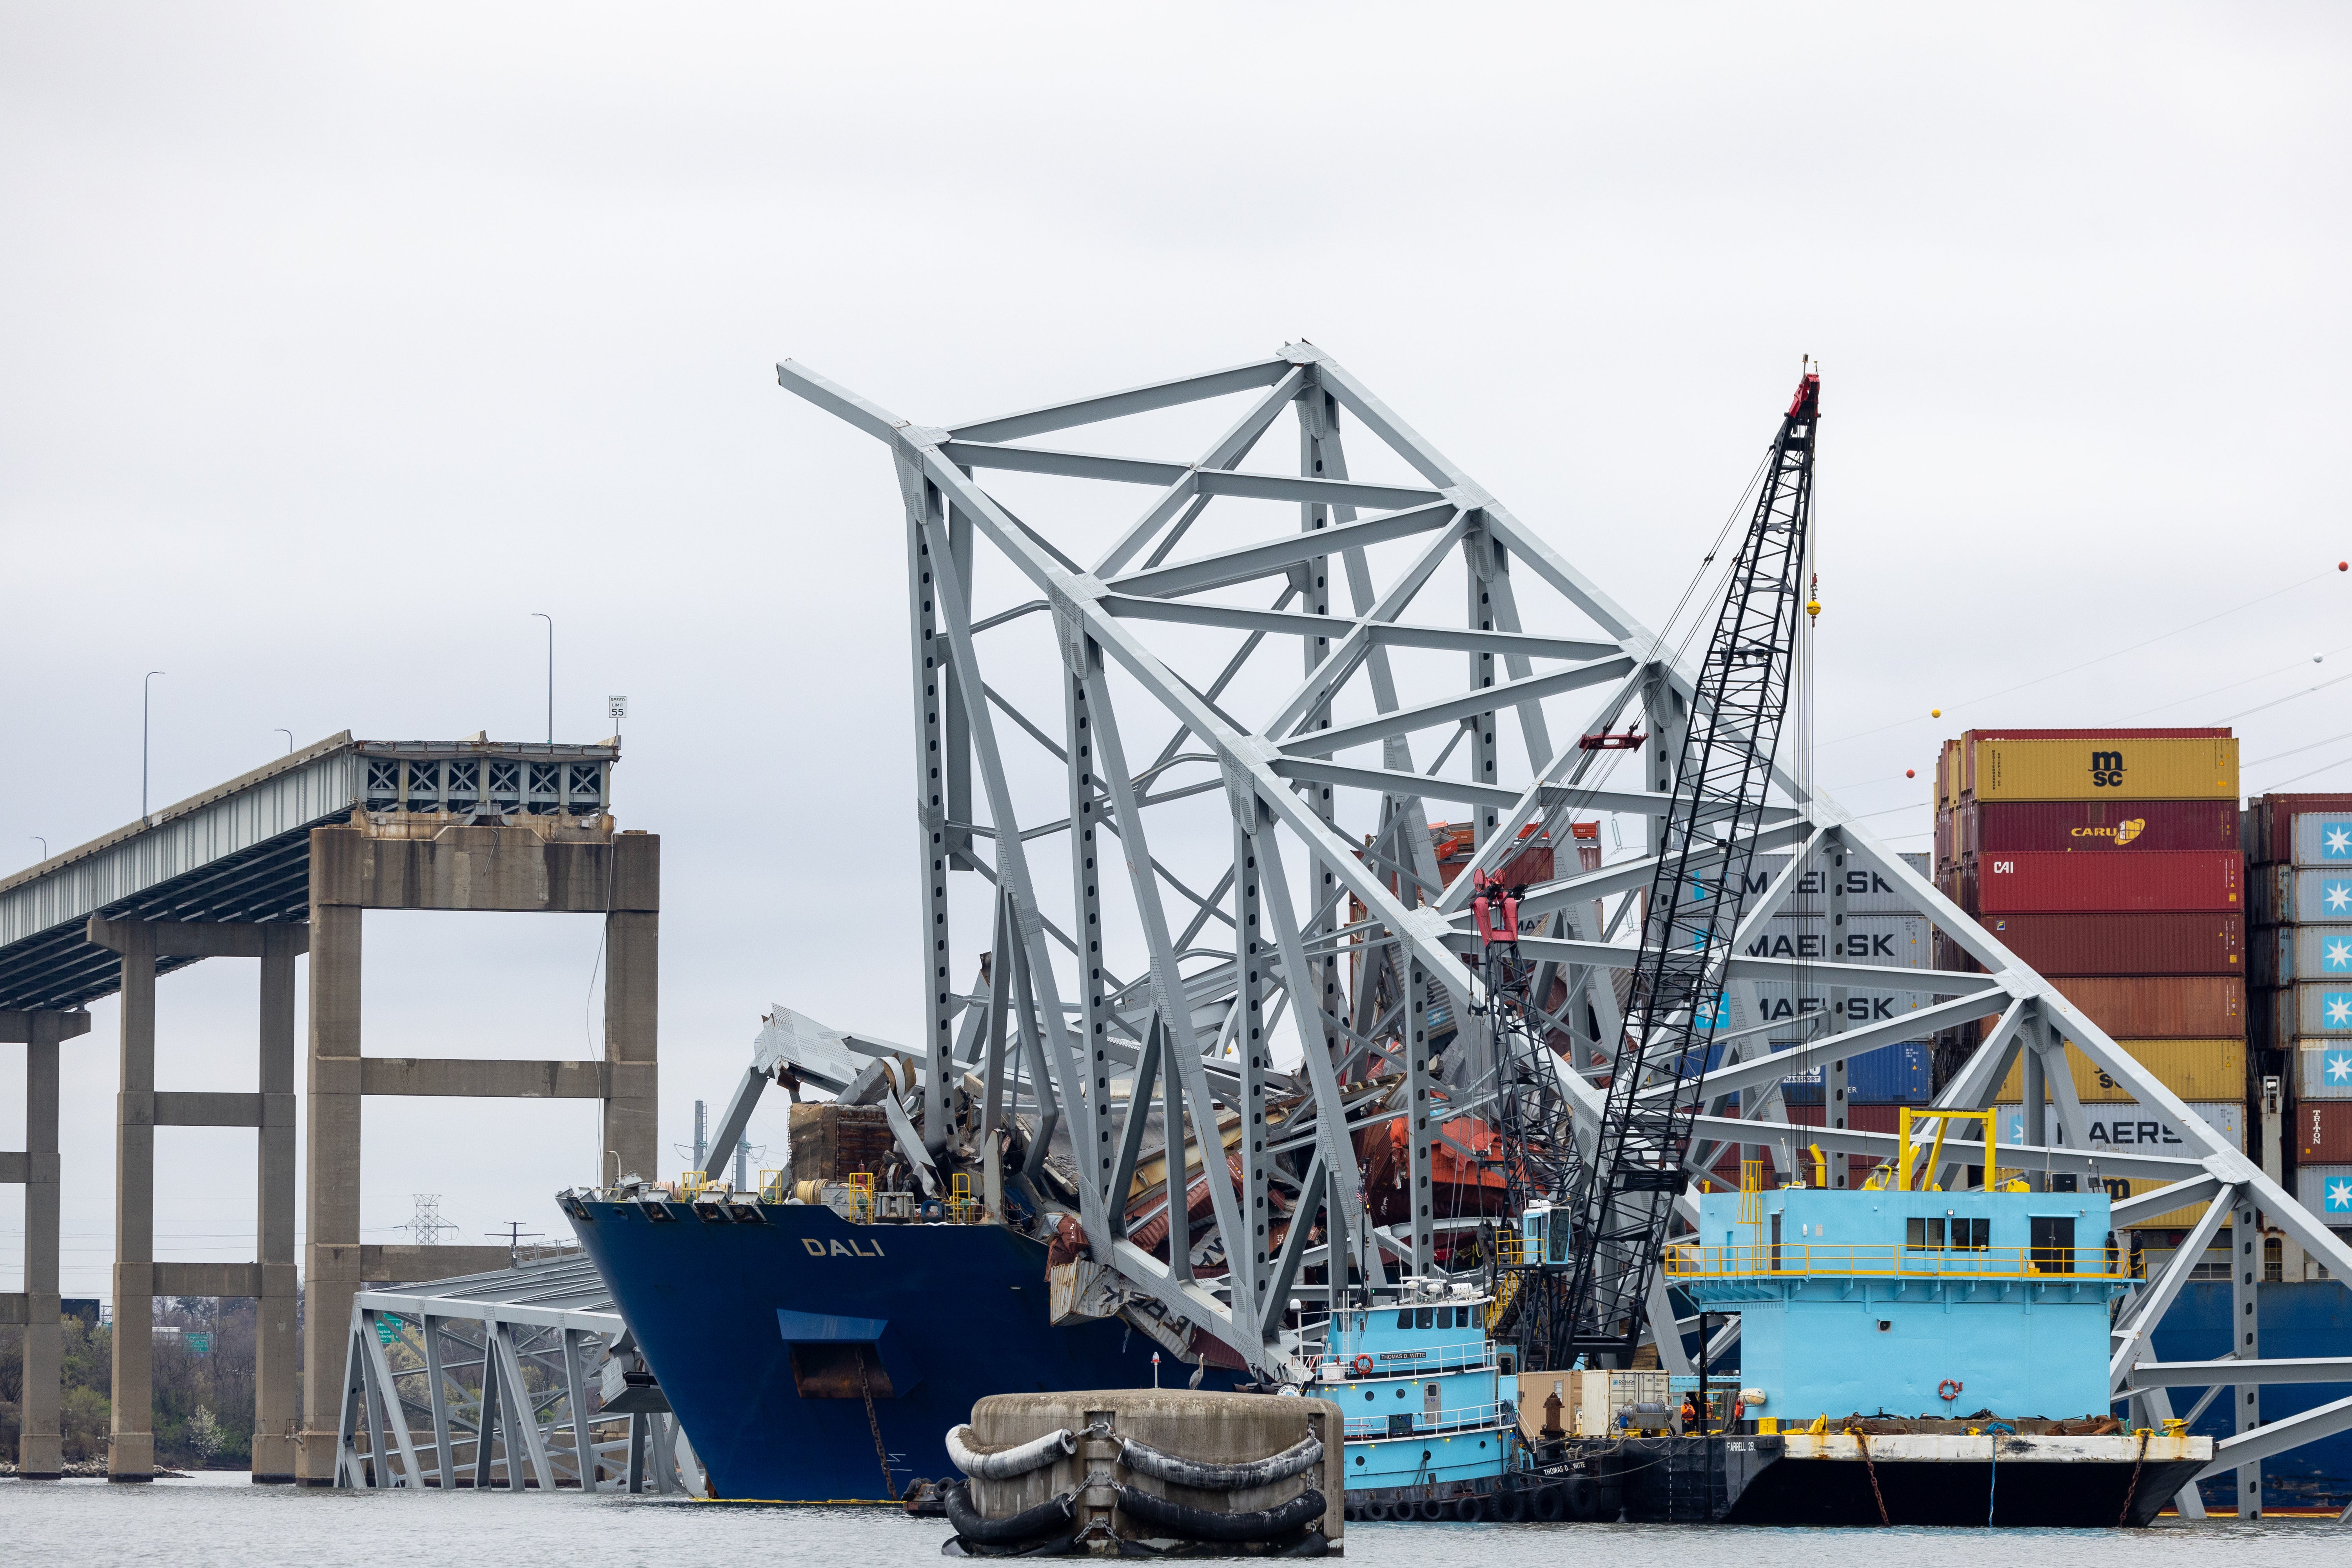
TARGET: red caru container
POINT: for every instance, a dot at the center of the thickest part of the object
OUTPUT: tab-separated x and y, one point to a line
2097	827
2028	882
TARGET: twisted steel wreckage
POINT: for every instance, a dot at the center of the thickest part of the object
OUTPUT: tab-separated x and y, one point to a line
1188	853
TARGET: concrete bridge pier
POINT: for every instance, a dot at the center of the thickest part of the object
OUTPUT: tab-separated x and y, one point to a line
40	1444
139	1278
549	864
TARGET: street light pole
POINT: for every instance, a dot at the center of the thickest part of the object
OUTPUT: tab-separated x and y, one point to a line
145	687
543	614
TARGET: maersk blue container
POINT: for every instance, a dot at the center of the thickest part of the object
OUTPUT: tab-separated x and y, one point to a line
1892	1074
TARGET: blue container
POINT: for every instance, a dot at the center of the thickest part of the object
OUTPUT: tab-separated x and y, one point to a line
1892	1074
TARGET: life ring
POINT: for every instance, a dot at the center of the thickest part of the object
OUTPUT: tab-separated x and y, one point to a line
1360	1367
1948	1389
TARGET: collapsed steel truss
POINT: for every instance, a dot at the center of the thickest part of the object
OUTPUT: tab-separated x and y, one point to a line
505	1380
1076	681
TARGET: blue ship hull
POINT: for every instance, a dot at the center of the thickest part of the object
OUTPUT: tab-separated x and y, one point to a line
954	1313
2304	1319
963	1314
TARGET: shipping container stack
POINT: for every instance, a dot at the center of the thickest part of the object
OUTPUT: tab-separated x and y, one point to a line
2299	848
1839	912
2108	861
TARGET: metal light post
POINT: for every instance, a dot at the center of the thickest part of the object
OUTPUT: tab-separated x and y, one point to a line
42	842
290	739
145	687
543	616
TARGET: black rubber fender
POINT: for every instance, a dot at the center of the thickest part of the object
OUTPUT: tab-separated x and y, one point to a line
1429	1511
1583	1496
1548	1504
1379	1511
1051	1517
1511	1505
1466	1508
1189	1523
1063	1545
1245	1476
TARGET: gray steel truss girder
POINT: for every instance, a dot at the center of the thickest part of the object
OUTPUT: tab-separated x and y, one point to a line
1279	779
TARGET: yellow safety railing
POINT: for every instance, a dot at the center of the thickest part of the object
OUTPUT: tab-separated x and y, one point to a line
1510	1249
1790	1259
771	1186
692	1181
1503	1299
861	1196
1751	1191
962	1207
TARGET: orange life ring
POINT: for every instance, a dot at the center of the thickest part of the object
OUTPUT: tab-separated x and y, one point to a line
1360	1367
1948	1389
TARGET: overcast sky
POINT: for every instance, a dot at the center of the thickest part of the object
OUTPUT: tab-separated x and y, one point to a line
339	340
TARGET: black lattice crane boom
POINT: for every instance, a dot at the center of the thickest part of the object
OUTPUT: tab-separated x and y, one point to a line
1620	1197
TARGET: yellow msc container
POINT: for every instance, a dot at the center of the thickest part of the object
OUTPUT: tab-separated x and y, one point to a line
2193	1070
2108	767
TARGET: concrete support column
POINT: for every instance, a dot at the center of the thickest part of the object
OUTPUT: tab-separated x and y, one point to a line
130	1453
632	1001
277	1396
40	1454
333	1217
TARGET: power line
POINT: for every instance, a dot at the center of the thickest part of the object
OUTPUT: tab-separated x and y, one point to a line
2291	751
2232	686
2290	697
2102	658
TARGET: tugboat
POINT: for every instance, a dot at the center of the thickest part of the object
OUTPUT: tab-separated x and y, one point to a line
1430	1434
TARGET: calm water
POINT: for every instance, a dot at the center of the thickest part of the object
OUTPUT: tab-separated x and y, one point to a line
229	1521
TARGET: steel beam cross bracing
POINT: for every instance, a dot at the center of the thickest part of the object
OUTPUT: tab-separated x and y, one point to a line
1172	646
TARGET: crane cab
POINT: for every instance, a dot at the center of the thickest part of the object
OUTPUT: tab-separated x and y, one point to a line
1543	1235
